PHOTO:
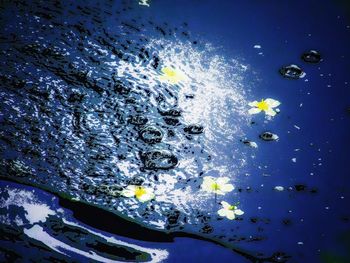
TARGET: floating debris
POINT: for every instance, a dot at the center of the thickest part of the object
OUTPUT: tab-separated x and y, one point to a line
292	72
268	136
311	56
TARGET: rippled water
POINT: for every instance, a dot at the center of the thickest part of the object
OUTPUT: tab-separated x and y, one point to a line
85	112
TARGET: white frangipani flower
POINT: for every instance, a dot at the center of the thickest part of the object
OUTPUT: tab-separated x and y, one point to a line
264	105
218	186
229	211
142	193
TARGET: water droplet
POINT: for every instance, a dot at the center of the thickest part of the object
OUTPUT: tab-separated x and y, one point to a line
268	136
292	72
194	129
151	135
311	56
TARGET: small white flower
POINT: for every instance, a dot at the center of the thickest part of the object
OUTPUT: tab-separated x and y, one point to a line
218	186
143	194
229	211
264	105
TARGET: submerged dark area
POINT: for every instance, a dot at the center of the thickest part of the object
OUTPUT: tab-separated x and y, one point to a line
98	96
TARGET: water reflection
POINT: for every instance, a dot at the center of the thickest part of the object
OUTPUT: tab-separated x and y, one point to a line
32	219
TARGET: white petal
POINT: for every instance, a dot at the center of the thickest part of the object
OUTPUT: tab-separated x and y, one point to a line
272	103
222	180
219	192
207	187
253	104
230	215
227	187
270	112
146	197
129	191
239	212
131	187
225	204
208	179
222	212
254	110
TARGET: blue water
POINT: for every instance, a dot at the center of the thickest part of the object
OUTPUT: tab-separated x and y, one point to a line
309	219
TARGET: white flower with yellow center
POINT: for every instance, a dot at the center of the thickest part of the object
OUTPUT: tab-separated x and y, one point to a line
264	105
142	193
229	211
218	186
171	75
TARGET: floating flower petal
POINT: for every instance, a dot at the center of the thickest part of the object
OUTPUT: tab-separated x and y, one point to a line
218	186
143	194
229	211
144	2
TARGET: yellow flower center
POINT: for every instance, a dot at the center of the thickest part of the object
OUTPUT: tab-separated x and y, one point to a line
171	75
139	191
232	207
215	187
169	72
262	105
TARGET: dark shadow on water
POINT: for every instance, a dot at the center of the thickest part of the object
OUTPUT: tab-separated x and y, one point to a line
109	222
